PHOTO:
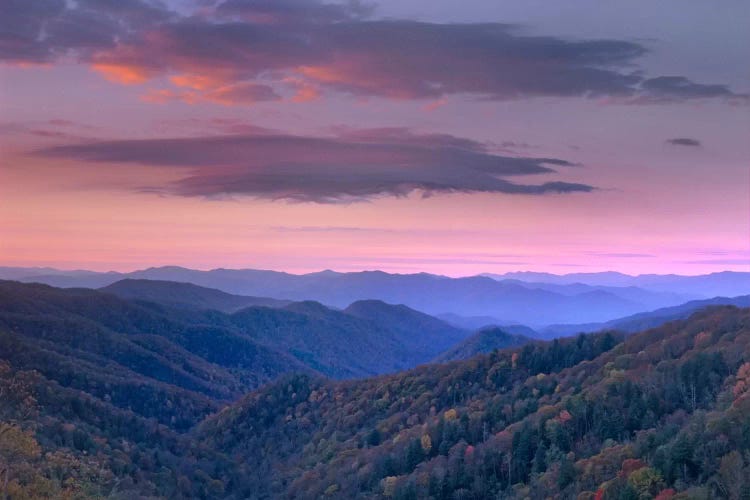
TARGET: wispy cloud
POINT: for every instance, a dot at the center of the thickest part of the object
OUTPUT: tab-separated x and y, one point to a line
435	260
728	261
622	255
56	129
329	229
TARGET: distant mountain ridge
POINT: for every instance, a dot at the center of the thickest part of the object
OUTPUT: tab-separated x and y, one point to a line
645	320
725	283
186	295
510	300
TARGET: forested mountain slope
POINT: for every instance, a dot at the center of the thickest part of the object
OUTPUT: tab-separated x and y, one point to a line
101	396
257	343
135	355
437	335
110	386
666	411
344	345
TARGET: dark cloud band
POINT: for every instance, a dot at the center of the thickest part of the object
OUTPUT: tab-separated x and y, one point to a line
684	141
234	51
354	166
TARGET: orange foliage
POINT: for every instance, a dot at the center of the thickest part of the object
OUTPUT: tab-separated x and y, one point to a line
631	465
702	339
665	494
564	416
743	381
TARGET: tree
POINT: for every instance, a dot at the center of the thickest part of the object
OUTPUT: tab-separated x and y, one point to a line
566	473
731	477
426	444
742	385
16	449
373	439
647	482
389	486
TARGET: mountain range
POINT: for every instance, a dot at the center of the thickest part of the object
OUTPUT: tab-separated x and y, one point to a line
105	396
644	320
726	283
160	335
508	300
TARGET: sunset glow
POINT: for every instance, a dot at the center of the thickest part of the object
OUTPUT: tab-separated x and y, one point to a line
402	136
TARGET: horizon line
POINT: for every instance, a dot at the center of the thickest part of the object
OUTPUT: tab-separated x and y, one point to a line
363	270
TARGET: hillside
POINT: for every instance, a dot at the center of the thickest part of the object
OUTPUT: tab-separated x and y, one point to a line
185	295
663	412
260	342
98	392
349	343
60	442
484	341
108	388
437	335
135	355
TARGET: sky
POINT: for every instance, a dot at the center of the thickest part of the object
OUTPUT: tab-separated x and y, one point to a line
404	135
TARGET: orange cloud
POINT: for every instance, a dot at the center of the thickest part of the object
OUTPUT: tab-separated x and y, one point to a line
197	82
228	95
305	91
354	74
436	104
322	74
161	96
27	64
127	75
241	93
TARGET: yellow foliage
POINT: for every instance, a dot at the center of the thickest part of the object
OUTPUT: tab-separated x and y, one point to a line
646	481
426	443
389	486
743	381
331	490
16	444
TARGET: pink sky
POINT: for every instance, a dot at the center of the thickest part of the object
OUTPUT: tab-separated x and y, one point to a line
125	156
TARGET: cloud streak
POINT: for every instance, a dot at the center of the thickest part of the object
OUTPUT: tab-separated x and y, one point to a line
355	165
684	141
727	261
247	51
